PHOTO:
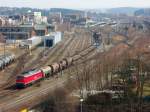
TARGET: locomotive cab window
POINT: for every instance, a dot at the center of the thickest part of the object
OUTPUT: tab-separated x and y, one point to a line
19	78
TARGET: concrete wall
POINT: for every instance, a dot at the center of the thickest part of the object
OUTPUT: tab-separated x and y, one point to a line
57	37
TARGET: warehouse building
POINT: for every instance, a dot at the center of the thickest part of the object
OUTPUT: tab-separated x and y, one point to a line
48	40
25	31
31	42
52	39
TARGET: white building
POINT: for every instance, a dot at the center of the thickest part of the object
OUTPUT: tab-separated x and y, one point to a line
2	21
52	39
44	19
31	42
37	17
49	40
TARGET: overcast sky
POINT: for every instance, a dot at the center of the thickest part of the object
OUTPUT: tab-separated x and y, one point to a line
75	4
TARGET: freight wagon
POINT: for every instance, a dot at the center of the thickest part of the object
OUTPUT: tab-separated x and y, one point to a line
6	59
2	64
47	70
55	67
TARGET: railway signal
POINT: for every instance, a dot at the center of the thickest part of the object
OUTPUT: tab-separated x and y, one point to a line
97	39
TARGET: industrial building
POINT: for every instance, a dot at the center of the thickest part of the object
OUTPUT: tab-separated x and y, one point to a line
52	39
55	17
25	31
31	42
47	40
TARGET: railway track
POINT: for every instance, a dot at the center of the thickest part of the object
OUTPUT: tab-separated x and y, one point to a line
21	99
22	60
12	91
63	52
73	43
84	43
14	71
40	56
69	49
78	43
53	54
16	68
76	47
45	55
60	52
72	48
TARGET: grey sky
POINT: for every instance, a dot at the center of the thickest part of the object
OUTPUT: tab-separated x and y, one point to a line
75	4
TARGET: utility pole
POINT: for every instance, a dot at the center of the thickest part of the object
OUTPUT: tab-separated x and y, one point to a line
81	106
4	49
44	46
4	43
3	40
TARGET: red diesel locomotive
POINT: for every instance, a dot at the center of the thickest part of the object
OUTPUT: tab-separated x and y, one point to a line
28	78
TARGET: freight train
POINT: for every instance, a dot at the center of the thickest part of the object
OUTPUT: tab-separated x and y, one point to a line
34	75
30	77
6	59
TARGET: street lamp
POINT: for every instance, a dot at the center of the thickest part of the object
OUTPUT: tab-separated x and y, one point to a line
81	100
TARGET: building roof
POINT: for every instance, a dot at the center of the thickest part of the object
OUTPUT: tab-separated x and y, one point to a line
26	25
30	73
40	27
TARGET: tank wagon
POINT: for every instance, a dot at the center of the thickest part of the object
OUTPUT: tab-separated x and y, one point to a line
6	59
63	64
55	67
2	63
47	70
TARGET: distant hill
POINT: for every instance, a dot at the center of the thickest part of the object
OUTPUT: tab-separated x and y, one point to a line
15	10
64	11
45	12
123	10
143	12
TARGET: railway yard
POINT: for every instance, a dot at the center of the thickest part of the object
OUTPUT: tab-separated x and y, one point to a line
77	59
77	44
71	45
